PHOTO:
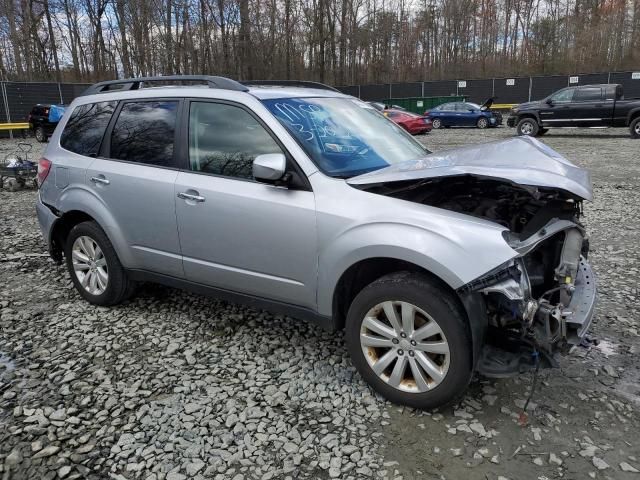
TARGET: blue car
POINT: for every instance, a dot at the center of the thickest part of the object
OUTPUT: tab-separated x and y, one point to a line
464	114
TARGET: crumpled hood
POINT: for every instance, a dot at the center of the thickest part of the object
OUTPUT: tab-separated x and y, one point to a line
520	160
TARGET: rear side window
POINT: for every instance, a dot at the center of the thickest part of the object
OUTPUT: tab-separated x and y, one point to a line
144	132
588	94
85	128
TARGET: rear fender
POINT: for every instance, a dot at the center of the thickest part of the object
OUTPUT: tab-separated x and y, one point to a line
80	198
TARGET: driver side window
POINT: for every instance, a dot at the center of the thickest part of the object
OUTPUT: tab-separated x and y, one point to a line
563	96
225	139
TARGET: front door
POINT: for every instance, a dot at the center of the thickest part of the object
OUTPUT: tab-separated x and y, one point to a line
134	177
235	233
557	111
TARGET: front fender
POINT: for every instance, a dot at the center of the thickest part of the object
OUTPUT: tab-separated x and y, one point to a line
79	198
456	252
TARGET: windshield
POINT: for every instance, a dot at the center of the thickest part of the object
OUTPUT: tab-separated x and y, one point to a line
344	136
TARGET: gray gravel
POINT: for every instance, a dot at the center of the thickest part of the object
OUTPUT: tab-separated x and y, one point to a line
173	385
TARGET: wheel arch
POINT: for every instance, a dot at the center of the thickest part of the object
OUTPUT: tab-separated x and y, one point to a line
532	115
78	205
632	115
362	273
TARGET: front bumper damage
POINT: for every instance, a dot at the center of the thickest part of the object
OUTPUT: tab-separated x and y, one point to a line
538	304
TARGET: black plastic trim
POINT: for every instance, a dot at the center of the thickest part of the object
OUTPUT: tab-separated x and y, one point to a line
327	323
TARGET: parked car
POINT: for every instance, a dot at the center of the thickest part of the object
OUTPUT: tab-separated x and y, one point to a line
464	114
412	122
43	119
584	106
382	107
306	201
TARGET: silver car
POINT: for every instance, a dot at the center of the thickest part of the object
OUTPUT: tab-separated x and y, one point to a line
296	198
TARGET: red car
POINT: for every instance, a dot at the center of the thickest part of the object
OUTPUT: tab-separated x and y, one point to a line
412	122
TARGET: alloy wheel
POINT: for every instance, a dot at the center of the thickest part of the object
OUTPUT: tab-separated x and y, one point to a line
482	123
526	128
436	123
404	346
90	265
637	128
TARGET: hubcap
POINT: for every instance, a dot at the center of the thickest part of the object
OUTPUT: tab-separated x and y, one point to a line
436	123
637	128
404	346
526	128
482	123
90	265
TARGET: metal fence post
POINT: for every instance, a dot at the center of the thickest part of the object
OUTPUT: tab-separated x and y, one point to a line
3	88
60	93
530	87
422	88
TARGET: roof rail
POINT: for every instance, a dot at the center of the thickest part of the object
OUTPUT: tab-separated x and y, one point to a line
136	83
291	83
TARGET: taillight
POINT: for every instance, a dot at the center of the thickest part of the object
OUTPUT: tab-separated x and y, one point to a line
44	166
426	113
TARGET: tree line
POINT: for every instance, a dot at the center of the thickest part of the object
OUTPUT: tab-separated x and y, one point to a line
335	41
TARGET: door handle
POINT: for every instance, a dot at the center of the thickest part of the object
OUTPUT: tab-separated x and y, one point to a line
101	180
190	196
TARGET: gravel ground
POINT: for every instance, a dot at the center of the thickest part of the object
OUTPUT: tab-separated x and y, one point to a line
173	385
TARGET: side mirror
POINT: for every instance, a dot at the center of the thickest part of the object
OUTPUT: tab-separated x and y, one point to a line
269	167
548	101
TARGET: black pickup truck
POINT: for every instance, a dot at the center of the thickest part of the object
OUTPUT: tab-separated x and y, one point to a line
584	106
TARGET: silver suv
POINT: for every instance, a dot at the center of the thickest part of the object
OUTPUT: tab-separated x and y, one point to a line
295	198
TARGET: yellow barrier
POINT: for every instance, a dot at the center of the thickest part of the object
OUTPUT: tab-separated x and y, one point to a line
503	106
14	126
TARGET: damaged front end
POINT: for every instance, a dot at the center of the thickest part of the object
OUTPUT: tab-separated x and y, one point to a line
539	303
543	299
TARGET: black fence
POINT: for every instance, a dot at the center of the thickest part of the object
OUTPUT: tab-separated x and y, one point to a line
18	98
504	90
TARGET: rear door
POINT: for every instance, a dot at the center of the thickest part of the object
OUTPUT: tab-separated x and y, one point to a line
590	108
134	177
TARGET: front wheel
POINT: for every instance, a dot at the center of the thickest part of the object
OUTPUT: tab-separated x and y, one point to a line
482	123
527	127
410	341
94	266
634	128
436	123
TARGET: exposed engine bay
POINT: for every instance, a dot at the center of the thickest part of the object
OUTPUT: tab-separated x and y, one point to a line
532	307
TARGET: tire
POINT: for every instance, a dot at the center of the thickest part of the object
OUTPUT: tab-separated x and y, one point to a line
435	308
482	123
117	286
634	128
40	135
528	127
436	123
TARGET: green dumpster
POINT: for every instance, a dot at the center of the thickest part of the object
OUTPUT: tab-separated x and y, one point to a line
422	104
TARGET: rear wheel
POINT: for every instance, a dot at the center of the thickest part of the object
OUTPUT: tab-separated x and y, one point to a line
528	127
40	134
409	340
94	266
482	123
634	128
436	123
